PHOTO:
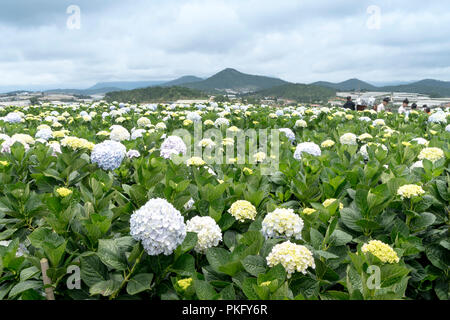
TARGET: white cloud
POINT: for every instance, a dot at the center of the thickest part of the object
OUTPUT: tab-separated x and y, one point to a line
300	41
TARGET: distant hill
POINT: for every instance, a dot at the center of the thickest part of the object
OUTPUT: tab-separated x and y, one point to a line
182	80
125	85
155	94
231	79
297	92
105	87
433	88
348	85
83	91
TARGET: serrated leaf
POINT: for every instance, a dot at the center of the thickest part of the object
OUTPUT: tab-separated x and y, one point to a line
105	288
111	255
139	283
254	265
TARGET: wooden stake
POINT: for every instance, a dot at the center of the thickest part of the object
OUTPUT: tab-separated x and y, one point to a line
48	290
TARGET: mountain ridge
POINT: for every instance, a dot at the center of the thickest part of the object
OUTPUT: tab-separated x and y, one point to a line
232	79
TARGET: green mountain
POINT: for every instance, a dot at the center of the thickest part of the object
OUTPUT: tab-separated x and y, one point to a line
155	94
433	88
231	79
125	85
182	80
101	90
297	92
348	85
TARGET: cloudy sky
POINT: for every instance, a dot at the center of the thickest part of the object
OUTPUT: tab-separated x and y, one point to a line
301	41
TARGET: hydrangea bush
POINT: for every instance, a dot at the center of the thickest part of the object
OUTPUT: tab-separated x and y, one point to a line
97	187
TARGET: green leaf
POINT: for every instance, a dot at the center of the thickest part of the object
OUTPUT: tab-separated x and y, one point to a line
204	290
350	217
28	273
254	265
340	238
229	238
438	256
53	245
276	273
426	219
228	293
188	244
139	283
24	286
111	255
231	268
218	257
105	288
7	234
92	270
326	254
392	274
334	295
308	287
249	290
184	265
316	238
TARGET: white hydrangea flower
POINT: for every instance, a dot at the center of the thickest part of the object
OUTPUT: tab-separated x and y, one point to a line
378	122
364	151
208	232
421	141
282	223
221	121
365	119
44	134
447	128
7	144
143	122
172	145
348	139
308	147
133	154
108	155
432	154
188	205
417	164
161	126
119	133
159	226
293	257
365	136
137	134
193	116
438	117
56	147
289	134
410	190
207	143
301	123
13	117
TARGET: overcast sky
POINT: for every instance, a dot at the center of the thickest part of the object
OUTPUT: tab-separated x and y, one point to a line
296	40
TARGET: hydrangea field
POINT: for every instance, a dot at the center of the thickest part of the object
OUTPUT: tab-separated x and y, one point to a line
355	205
